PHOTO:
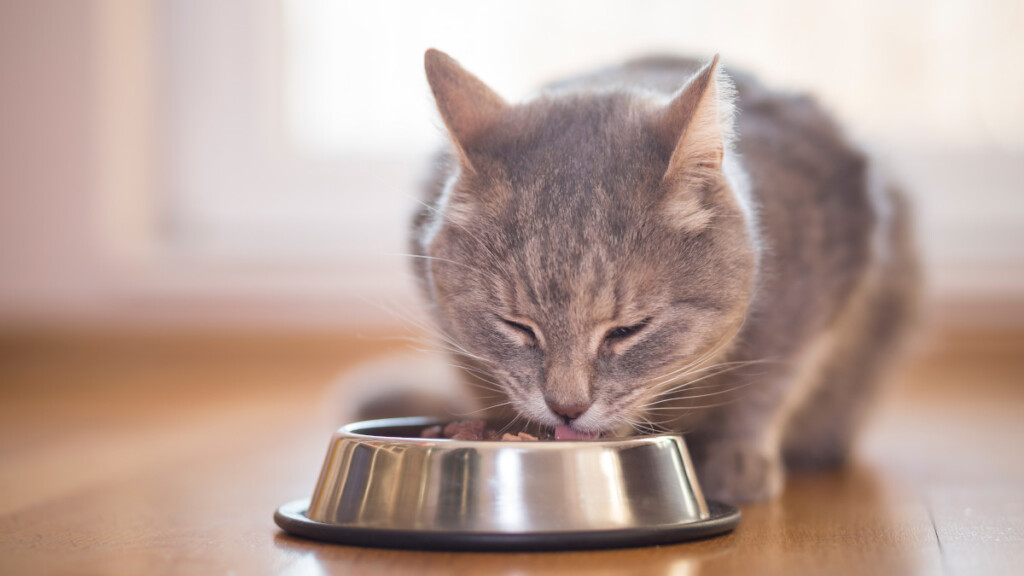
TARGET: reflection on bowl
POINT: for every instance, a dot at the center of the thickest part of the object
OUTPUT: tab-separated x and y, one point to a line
382	485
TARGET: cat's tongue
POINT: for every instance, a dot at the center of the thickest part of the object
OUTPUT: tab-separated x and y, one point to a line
565	432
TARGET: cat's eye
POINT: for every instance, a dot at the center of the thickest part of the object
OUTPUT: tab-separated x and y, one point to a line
523	329
623	332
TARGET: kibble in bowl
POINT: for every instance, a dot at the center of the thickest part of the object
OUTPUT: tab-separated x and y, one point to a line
477	430
474	430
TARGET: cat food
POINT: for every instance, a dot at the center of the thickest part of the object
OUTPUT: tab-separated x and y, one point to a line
474	430
520	437
477	430
469	430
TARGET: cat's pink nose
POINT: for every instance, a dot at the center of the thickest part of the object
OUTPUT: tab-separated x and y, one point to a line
569	412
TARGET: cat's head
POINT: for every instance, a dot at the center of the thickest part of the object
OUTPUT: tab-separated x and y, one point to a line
588	246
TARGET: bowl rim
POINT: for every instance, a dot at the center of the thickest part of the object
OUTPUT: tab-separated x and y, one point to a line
357	431
291	517
714	517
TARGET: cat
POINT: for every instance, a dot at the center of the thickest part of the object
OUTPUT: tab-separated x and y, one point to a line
662	246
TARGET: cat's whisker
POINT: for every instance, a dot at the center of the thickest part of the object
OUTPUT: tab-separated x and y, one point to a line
484	380
460	349
425	257
480	381
737	363
712	386
726	340
712	352
484	409
681	398
718	370
450	345
444	217
631	419
728	390
732	365
385	338
481	386
428	345
624	419
487	376
665	396
645	425
434	347
672	392
508	426
703	406
403	317
652	390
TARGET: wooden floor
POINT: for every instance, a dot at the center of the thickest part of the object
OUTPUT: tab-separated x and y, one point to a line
169	455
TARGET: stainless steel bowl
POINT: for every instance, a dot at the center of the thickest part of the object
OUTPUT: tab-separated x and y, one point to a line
382	485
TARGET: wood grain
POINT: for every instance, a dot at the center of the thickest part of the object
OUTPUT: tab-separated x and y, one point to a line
169	455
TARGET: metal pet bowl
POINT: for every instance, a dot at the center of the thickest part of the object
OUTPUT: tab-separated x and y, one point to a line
381	485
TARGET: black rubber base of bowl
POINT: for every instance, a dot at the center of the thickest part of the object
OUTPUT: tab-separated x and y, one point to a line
292	519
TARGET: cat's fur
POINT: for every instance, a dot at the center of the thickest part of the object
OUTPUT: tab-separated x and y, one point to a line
754	265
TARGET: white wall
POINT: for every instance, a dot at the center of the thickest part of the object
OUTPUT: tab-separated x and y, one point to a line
246	172
48	256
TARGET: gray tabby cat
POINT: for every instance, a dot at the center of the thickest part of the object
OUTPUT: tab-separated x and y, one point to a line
623	251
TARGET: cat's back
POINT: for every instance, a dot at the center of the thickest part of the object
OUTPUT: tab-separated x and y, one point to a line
794	152
788	130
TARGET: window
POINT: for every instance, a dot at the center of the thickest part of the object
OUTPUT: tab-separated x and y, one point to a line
296	132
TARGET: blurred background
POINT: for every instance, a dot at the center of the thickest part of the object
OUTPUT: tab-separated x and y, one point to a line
203	211
250	164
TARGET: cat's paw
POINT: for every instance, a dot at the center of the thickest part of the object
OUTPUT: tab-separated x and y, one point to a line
739	472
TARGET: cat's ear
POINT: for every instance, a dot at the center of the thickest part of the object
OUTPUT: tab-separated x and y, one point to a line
467	105
697	124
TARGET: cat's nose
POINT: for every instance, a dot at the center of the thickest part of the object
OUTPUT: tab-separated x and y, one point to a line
568	412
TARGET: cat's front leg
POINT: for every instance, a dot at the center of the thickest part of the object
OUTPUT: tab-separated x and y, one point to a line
737	446
740	470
